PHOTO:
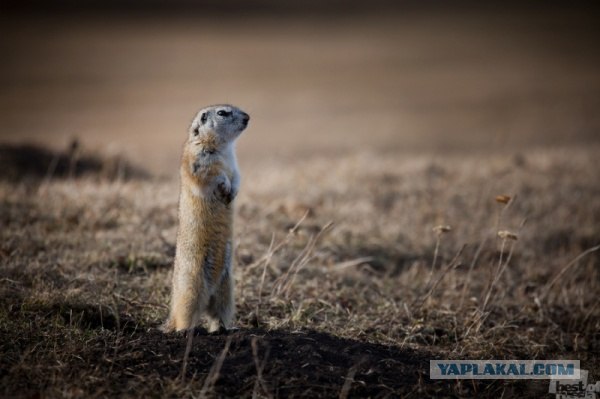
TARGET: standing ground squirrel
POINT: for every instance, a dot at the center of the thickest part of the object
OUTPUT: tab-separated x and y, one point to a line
203	280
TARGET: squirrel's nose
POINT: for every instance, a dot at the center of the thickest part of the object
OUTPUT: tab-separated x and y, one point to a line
245	118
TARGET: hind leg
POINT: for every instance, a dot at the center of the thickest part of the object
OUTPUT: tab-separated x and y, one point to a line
221	307
186	313
188	303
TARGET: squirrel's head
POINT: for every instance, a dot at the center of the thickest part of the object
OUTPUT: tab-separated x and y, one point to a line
223	122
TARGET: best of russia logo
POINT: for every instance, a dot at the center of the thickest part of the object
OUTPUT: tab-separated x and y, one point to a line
572	389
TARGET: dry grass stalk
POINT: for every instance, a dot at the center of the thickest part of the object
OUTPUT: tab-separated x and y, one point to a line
267	262
215	370
274	248
283	283
260	382
188	348
500	267
467	280
348	382
506	202
438	230
565	269
350	263
452	265
268	256
506	236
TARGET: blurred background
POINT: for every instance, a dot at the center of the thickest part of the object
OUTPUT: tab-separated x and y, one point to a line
319	78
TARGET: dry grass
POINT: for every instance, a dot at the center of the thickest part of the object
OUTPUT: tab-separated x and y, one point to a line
343	288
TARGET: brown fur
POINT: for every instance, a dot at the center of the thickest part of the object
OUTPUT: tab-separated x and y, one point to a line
202	278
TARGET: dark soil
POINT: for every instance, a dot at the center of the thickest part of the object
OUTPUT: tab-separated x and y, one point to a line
101	354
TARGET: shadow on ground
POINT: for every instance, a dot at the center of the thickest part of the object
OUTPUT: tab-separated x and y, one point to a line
32	162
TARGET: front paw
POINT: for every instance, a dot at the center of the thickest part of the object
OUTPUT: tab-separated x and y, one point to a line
224	193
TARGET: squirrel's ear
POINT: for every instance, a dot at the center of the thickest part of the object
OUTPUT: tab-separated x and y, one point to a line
203	118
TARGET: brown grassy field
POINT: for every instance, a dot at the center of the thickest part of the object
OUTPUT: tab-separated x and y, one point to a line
347	284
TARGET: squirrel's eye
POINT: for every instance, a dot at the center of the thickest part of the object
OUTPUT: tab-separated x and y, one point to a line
203	118
223	113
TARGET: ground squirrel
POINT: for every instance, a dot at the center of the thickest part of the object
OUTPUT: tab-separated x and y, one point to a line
203	276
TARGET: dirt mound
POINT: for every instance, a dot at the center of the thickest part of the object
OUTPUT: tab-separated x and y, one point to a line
33	162
308	363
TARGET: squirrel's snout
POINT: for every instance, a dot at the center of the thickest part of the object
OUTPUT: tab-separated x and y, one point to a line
245	118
